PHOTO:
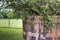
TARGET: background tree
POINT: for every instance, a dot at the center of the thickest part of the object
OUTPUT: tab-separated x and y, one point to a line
24	8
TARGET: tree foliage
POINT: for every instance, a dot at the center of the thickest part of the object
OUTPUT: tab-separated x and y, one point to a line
32	7
25	8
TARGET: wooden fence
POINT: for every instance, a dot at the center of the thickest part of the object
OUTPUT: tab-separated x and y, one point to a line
11	23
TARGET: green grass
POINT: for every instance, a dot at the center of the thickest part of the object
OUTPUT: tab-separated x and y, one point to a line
10	34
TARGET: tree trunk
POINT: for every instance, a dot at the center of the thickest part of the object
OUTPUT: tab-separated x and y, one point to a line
33	20
25	28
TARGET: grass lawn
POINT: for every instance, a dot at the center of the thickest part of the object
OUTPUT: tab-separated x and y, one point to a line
10	34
